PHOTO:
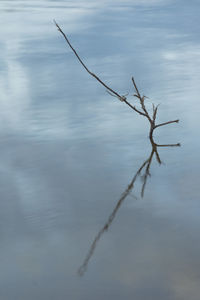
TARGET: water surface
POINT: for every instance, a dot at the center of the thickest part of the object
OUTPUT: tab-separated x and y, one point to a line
68	151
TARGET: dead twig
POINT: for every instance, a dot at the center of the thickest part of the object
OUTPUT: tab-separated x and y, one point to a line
144	112
82	63
166	123
152	119
121	98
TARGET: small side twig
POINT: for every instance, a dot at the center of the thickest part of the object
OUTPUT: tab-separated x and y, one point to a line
166	123
152	119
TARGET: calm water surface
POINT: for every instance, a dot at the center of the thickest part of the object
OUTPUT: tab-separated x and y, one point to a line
68	151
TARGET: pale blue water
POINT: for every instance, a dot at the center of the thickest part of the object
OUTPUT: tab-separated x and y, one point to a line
68	150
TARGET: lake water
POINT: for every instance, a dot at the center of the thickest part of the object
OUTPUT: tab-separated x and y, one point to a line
70	229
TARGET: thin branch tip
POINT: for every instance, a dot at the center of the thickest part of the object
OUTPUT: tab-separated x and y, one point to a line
58	27
55	23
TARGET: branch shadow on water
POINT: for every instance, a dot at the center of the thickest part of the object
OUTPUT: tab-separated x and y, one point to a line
144	173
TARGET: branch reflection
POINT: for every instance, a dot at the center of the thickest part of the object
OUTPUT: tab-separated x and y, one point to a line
144	173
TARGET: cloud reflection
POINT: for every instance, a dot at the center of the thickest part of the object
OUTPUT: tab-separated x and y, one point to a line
15	92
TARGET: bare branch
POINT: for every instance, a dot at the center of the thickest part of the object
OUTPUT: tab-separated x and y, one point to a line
166	123
155	109
138	95
112	92
82	63
135	86
134	108
169	145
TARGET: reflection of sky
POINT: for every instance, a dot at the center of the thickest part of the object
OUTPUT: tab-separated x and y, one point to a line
68	150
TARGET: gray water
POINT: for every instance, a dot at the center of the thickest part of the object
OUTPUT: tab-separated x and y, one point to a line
70	229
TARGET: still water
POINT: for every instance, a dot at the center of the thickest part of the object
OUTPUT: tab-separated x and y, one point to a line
74	224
